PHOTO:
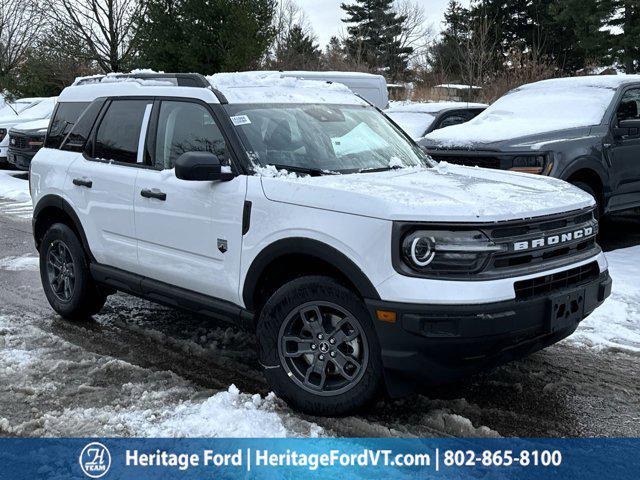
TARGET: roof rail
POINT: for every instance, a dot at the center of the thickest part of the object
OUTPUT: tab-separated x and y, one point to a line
180	79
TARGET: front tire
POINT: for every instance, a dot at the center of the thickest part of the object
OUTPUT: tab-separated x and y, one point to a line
319	348
65	275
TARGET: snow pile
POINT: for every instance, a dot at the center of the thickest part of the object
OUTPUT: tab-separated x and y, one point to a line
273	87
271	171
536	108
616	324
429	107
23	262
13	188
51	387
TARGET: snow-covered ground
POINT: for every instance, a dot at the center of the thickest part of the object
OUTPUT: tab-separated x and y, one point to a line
616	324
12	188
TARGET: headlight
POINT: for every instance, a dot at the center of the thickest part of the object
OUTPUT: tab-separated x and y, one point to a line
3	133
443	251
529	164
35	141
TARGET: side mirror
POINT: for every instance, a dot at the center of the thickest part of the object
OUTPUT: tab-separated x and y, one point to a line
200	166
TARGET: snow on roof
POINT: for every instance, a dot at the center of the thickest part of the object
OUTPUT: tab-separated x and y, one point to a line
430	107
33	125
275	87
457	86
541	107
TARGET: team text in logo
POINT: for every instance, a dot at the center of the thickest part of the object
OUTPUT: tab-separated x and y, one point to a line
554	239
95	460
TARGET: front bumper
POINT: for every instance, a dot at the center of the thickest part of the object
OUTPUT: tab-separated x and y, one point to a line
441	343
20	159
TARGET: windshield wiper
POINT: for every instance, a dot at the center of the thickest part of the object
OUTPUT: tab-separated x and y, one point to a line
378	169
313	172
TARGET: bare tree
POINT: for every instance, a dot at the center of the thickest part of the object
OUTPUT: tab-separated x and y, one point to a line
417	33
475	53
20	23
106	28
287	16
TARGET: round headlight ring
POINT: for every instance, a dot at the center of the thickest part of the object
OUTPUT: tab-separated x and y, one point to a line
422	251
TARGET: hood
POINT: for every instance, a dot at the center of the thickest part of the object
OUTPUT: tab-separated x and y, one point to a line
445	193
8	122
33	125
534	142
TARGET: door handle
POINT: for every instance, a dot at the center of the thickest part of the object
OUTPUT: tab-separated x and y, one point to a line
157	194
82	182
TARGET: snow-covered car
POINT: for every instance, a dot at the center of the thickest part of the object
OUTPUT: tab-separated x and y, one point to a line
585	130
418	119
37	109
297	210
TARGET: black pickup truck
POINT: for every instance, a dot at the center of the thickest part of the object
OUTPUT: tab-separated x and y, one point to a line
585	130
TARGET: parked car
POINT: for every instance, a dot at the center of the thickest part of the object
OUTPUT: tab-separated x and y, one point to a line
35	110
418	119
585	130
371	87
25	141
298	211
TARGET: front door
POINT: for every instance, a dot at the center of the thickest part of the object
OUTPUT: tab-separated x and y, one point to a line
624	153
189	232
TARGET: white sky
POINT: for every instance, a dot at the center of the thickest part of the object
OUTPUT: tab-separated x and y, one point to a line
325	16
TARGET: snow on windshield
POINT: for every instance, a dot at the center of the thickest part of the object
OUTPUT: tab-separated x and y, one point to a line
414	123
536	108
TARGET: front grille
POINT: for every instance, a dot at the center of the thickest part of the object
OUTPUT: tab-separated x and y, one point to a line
471	161
547	284
18	142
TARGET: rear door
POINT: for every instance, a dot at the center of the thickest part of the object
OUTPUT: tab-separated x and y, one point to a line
102	181
189	233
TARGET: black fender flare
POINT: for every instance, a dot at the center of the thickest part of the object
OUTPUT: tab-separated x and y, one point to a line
313	248
56	201
587	163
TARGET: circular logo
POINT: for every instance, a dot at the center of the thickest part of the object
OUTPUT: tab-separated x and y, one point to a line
324	347
95	460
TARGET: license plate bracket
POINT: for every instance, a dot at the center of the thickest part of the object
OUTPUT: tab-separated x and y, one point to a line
566	310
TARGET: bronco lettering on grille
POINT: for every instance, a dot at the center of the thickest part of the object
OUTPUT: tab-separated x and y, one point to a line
553	239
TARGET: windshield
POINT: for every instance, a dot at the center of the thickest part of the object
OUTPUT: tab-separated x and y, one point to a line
323	138
44	109
414	123
10	109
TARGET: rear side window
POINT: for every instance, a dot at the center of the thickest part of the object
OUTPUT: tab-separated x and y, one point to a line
118	134
64	118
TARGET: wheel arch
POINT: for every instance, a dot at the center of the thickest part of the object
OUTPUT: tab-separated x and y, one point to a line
291	252
52	209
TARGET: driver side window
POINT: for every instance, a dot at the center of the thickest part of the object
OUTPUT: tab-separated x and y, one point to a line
186	127
629	108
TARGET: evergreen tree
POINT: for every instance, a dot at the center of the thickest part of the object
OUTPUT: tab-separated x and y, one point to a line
298	52
205	36
623	20
374	28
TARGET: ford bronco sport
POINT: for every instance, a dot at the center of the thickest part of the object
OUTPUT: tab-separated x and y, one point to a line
297	210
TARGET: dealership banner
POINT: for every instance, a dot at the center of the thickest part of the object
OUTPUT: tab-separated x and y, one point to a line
320	458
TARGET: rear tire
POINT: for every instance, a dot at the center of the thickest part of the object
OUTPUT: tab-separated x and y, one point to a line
65	275
319	347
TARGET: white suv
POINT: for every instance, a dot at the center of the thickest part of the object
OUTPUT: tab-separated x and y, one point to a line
295	209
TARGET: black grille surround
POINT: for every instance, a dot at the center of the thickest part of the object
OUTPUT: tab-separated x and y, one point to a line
546	284
470	160
514	261
18	141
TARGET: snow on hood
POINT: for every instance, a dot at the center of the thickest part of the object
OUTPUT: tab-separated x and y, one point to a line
541	107
273	87
34	125
446	192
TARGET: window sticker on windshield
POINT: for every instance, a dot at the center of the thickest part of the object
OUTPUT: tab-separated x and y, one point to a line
240	120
